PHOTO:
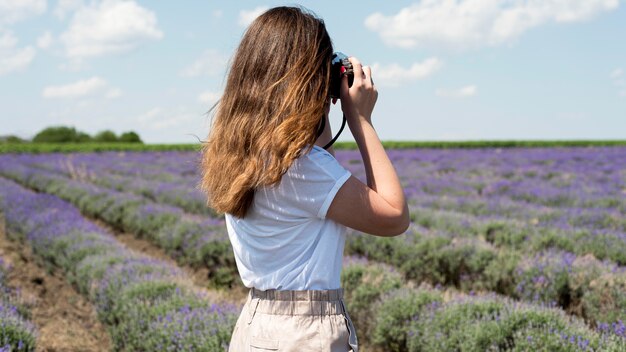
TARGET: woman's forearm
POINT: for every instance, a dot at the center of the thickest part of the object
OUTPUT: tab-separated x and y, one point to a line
380	173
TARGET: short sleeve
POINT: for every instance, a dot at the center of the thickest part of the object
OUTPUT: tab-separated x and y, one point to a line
311	183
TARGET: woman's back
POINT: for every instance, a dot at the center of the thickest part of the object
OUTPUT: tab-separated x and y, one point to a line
285	241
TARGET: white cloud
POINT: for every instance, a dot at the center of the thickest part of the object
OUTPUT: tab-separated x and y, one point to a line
45	40
247	16
87	87
7	40
150	115
73	66
12	11
394	74
12	58
210	63
65	7
159	119
113	93
462	24
617	76
464	92
108	27
170	124
209	97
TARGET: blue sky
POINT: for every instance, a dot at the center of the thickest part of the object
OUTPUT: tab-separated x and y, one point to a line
445	69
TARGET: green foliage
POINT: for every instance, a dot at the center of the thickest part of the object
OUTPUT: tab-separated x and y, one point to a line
48	140
492	323
57	134
217	257
163	335
604	299
501	234
500	273
11	139
544	284
116	211
603	246
82	137
130	137
393	314
106	136
91	269
147	220
67	250
363	285
138	304
137	298
15	336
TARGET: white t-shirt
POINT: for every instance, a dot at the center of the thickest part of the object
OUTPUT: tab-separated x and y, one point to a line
285	241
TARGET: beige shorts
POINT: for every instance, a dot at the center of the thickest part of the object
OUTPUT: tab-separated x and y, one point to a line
294	320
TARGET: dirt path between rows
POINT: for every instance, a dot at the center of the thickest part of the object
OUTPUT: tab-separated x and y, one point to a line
65	320
199	276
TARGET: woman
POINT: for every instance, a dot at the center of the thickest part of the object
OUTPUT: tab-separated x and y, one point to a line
287	201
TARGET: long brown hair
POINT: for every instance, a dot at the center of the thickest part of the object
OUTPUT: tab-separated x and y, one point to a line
276	93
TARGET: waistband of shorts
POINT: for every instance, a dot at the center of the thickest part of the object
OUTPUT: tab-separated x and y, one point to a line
298	295
297	302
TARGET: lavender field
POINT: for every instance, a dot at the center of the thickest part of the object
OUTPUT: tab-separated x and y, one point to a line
512	249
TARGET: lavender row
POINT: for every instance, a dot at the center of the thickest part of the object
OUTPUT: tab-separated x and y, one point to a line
199	243
172	167
393	316
563	218
527	236
17	333
148	304
581	285
171	192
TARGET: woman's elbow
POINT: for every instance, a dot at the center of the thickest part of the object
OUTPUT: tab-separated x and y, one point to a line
406	222
402	225
396	225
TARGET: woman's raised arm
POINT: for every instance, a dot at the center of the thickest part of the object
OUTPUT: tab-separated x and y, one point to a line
378	208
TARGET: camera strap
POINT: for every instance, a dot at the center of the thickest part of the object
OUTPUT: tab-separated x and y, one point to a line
320	130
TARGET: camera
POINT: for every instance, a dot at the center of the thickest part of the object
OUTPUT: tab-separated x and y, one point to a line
339	65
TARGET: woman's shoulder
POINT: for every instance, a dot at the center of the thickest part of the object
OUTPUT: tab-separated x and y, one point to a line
316	161
317	155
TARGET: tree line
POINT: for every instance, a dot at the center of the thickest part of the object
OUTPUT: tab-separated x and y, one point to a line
64	134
